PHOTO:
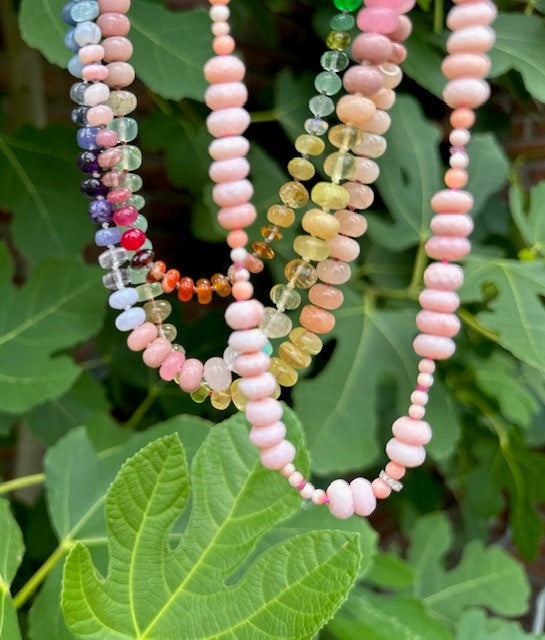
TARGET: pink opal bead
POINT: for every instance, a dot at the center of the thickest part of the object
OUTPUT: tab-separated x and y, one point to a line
417	411
333	271
95	72
439	301
361	196
99	115
363	79
121	74
251	364
96	94
444	277
261	413
113	24
125	216
473	14
317	320
356	110
266	437
237	217
343	248
341	503
438	324
435	347
381	490
229	170
217	375
456	225
278	456
466	92
223	45
447	248
307	491
172	365
226	95
228	122
394	5
117	49
395	470
156	353
247	341
374	20
232	194
363	498
223	69
408	455
471	40
91	53
466	65
419	398
326	297
244	315
406	6
413	432
379	123
352	224
106	138
110	157
367	171
117	6
142	336
258	387
384	99
372	48
319	496
227	148
190	376
403	30
399	54
449	201
426	366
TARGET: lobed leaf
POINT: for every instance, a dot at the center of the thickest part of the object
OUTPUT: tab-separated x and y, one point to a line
11	555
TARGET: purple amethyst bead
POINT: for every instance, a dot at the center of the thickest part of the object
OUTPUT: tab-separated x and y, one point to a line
87	137
87	162
101	211
93	187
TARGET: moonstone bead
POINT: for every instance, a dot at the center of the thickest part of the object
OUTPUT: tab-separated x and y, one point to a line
130	319
191	375
258	387
363	79
356	110
246	314
413	432
261	413
226	148
343	248
123	298
466	92
472	14
341	503
278	456
464	65
223	69
266	437
474	39
405	454
438	324
447	248
247	341
251	364
333	271
352	224
317	320
434	347
363	498
444	277
156	353
217	375
87	33
172	365
455	225
117	49
113	24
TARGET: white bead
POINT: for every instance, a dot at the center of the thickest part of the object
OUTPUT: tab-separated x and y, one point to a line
417	411
318	496
459	137
242	275
459	160
426	366
307	491
239	254
221	29
425	380
295	479
288	470
219	13
419	397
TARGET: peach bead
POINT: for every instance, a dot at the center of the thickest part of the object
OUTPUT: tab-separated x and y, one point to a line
113	24
228	122
343	248
156	353
251	364
238	216
438	324
384	99
363	79
399	54
361	196
244	315
261	413
224	69
403	31
435	347
243	290
379	123
408	455
447	248
325	296
229	170
394	470
475	13
363	498
225	95
439	301
278	456
190	376
333	271
232	194
466	65
142	336
355	110
466	92
341	503
444	277
450	201
172	365
237	238
380	489
317	320
254	264
117	49
223	45
99	115
462	118
95	72
265	437
118	6
352	224
226	148
366	170
247	341
456	178
121	74
476	39
426	366
415	432
372	48
91	53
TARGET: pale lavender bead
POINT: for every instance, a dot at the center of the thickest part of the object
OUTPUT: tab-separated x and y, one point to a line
108	236
123	298
87	33
130	319
217	375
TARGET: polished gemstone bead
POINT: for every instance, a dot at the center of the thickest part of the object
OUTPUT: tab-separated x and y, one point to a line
320	224
334	61
316	126
301	273
284	373
239	399
281	215
112	258
117	279
170	332
317	320
84	10
333	271
344	136
186	289
293	194
130	319
328	83
125	216
123	298
321	106
275	323
122	102
294	356
87	162
75	67
311	248
136	201
157	271
149	290
133	239
131	160
201	394
87	33
342	22
142	259
217	374
87	137
309	145
285	297
301	169
67	13
347	5
338	40
371	145
340	166
138	276
157	311
271	232
204	291
263	250
93	187
79	116
107	236
132	181
330	196
77	91
141	223
170	280
126	128
306	340
220	400
326	296
221	285
352	224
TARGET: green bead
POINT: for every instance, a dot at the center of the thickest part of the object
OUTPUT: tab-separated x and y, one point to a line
328	82
132	158
347	5
334	61
342	22
321	106
201	394
133	182
268	348
149	290
338	40
136	201
141	223
126	128
138	276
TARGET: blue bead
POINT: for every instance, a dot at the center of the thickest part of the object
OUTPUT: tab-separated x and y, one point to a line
69	41
130	319
87	137
67	14
75	66
86	10
77	91
123	298
108	236
87	33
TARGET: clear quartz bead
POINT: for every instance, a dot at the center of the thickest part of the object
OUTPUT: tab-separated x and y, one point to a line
116	279
112	258
316	126
275	324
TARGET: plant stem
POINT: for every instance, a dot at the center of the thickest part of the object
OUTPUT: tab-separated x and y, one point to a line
418	271
142	409
263	116
472	322
21	483
438	16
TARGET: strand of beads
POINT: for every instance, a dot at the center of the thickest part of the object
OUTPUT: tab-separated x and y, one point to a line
466	91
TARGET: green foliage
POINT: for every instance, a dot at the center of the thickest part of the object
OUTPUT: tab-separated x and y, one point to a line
11	555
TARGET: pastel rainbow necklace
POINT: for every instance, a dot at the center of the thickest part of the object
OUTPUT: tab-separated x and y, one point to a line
466	90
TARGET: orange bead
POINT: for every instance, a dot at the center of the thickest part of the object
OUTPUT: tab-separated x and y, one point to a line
170	280
157	271
395	470
380	489
462	118
263	250
253	264
204	291
237	238
186	289
317	320
220	285
456	178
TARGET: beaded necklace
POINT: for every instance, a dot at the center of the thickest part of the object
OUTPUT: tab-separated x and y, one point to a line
329	242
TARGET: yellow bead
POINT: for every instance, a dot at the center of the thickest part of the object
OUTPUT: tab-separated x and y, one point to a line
311	248
263	250
294	194
305	339
294	356
169	331
157	311
220	400
281	215
301	273
201	394
284	373
330	196
239	399
310	145
301	169
340	166
221	285
285	297
271	232
321	224
344	136
338	40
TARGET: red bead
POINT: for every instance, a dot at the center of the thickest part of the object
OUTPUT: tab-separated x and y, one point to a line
186	289
125	216
119	195
133	239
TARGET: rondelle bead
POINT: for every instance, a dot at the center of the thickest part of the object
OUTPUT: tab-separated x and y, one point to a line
311	248
434	347
405	454
130	319
123	298
237	217
170	280
228	122
227	148
156	353
117	49
354	109
122	102
117	279
87	33
333	271
217	375
258	387
101	211
112	258
443	277
278	456
239	399
220	400
455	225
438	324
120	74
268	436
226	95
366	171
203	289
363	79
309	145
108	236
133	239
294	356
222	69
472	39
142	336
324	296
447	248
343	248
471	14
341	503
363	498
190	376
302	274
157	310
320	224
413	432
293	194
330	196
246	314
466	92
275	323
360	195
373	48
229	170
352	224
372	146
317	320
464	65
306	340
285	374
125	216
281	215
113	24
251	364
247	341
186	289
285	297
261	413
232	194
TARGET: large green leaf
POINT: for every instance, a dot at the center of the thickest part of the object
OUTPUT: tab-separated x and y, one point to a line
170	48
528	215
291	96
60	306
153	590
474	625
11	555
